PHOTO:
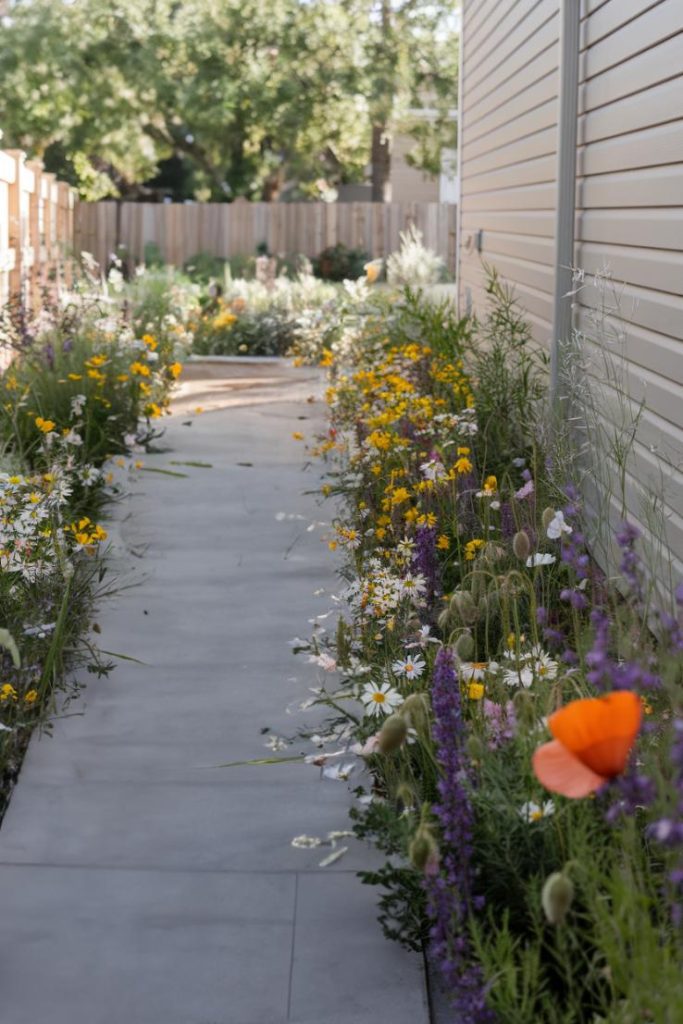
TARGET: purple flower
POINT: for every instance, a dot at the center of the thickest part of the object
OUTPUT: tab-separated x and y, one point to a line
426	561
449	894
501	722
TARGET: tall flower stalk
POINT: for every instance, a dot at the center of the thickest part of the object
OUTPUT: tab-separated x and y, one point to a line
450	892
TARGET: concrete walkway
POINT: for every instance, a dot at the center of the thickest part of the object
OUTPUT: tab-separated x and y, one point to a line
138	886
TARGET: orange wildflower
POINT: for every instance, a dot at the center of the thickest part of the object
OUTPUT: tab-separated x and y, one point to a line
593	739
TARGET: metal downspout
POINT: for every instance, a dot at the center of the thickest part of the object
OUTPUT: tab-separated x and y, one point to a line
570	24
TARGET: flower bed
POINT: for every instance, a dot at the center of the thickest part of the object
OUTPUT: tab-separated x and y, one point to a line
83	391
511	715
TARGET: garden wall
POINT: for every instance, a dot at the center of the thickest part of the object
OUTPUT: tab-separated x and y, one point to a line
181	230
629	200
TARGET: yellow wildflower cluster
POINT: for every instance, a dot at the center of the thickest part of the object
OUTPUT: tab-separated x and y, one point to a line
87	533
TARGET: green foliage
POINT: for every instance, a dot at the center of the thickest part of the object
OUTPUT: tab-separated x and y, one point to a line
239	98
340	263
508	372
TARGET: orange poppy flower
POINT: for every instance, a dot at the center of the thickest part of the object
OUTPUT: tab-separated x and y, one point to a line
593	739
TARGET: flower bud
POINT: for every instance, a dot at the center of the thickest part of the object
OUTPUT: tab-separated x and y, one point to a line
469	613
464	646
521	545
475	748
547	517
423	848
392	734
416	709
557	896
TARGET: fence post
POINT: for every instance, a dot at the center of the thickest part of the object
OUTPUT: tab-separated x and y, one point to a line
17	222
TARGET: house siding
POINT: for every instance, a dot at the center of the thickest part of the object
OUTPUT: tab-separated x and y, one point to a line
629	215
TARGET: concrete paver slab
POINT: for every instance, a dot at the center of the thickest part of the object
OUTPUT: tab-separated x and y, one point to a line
150	888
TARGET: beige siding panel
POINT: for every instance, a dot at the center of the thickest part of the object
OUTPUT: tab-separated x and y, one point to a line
544	63
534	222
511	110
611	16
519	151
654	25
654	106
511	76
514	34
650	268
478	14
645	148
542	116
642	71
537	250
530	197
647	349
642	386
530	172
656	229
657	311
660	186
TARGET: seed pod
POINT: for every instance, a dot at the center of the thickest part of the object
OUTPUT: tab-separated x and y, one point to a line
492	553
521	545
392	734
547	517
416	709
557	896
469	612
423	848
475	748
464	646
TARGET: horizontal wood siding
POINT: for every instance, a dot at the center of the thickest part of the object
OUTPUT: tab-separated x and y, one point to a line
508	124
629	223
630	228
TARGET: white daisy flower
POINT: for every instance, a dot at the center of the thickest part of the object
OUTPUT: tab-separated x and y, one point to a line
471	671
411	668
557	526
531	811
523	676
543	665
380	699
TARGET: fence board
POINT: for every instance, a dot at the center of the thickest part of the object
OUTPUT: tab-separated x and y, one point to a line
183	230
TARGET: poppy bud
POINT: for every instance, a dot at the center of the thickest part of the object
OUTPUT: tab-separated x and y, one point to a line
423	848
557	896
475	748
405	797
521	545
547	517
464	646
416	708
468	610
392	734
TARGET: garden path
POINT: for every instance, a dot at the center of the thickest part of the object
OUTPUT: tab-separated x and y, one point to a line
138	885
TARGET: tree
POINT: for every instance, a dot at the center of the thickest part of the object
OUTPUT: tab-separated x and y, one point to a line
237	97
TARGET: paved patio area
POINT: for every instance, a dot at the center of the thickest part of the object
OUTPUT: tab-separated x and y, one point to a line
153	889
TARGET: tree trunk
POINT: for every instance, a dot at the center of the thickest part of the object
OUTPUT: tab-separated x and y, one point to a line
381	165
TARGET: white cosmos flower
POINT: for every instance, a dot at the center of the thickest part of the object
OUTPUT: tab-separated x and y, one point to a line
306	842
380	699
339	772
557	526
323	660
276	743
531	811
540	558
411	668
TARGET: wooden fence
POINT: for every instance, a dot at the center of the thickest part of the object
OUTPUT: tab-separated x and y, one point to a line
182	230
36	229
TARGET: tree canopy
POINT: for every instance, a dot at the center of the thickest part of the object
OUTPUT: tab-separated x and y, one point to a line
220	98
